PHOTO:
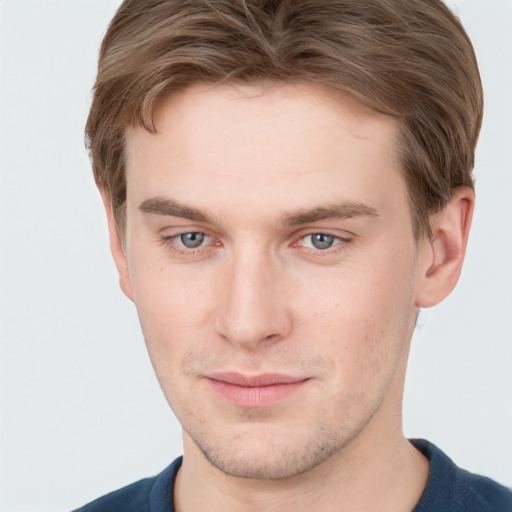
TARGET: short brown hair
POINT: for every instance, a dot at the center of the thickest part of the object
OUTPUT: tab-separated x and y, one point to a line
410	59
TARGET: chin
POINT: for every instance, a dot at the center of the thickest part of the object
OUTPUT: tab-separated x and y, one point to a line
265	455
261	466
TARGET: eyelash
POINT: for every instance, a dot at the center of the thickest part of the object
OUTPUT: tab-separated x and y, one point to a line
170	243
340	244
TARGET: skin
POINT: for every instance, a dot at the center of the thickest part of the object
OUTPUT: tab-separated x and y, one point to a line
259	170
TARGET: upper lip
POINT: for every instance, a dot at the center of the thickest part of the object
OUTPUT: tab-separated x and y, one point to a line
263	379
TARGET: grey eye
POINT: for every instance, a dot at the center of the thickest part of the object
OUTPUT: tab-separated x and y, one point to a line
322	241
192	240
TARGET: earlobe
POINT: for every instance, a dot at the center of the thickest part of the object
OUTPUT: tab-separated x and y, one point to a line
116	247
442	256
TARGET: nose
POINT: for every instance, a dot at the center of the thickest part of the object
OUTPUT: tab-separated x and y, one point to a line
252	307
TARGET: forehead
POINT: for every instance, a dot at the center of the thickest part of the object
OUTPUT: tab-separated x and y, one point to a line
248	141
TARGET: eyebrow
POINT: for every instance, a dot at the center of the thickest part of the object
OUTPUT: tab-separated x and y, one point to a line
172	208
338	210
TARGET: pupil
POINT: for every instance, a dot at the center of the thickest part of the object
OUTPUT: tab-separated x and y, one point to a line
192	240
322	241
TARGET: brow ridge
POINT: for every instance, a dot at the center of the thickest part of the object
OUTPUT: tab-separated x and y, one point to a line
342	210
172	208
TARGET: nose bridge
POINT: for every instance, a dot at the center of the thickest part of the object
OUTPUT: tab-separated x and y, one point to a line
253	308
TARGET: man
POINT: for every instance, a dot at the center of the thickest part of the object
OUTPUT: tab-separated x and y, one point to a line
286	184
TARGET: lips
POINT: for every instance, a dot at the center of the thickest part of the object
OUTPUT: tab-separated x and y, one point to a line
254	390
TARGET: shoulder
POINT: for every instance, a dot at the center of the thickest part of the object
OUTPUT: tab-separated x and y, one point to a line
484	494
457	490
133	497
148	495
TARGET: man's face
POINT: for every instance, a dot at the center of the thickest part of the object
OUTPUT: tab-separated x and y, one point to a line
271	258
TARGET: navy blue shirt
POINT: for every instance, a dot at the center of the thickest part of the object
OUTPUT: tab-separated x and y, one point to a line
449	489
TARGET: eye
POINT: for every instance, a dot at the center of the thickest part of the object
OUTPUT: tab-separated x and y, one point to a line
191	240
190	244
320	241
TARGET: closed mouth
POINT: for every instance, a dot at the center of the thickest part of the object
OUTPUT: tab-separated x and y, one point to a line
255	390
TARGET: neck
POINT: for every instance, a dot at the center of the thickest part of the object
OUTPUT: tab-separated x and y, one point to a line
371	473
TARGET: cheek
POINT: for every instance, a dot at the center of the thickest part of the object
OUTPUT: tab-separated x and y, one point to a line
173	319
362	317
174	310
355	316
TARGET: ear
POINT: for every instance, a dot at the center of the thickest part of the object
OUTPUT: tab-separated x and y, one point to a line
441	256
116	247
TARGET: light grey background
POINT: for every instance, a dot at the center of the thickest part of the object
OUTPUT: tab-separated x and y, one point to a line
80	410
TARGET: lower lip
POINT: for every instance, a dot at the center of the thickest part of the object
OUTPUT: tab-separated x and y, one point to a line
257	396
